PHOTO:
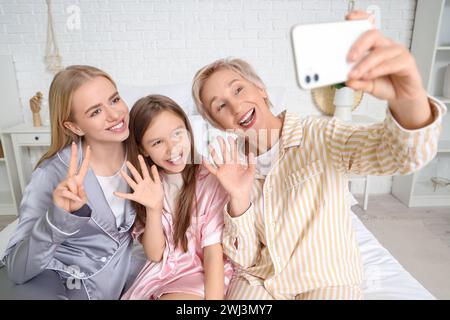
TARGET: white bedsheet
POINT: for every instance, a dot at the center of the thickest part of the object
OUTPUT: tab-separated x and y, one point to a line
385	278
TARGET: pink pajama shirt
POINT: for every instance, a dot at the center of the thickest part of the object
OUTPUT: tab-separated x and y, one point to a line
180	271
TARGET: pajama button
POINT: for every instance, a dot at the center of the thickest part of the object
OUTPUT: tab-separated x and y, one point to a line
103	259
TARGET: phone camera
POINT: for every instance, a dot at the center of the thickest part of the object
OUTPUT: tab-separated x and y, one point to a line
316	77
308	79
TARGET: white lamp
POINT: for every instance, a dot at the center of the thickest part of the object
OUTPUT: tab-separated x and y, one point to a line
344	98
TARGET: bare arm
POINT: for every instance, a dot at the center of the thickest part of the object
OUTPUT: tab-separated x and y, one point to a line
414	113
214	272
148	192
153	239
236	178
240	240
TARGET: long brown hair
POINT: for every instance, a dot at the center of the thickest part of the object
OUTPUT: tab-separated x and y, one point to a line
60	96
141	116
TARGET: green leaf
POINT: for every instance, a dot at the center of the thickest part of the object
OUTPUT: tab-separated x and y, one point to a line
339	85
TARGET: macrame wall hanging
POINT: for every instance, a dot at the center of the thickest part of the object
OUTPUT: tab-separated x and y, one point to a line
52	57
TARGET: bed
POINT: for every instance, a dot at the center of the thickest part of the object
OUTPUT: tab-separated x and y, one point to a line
385	278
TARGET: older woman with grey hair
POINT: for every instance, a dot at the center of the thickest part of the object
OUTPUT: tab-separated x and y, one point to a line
287	226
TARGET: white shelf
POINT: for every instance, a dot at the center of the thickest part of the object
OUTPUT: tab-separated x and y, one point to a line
27	128
431	48
426	188
444	146
443	99
424	195
440	63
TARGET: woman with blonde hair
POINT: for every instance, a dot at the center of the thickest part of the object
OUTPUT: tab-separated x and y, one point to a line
288	227
73	240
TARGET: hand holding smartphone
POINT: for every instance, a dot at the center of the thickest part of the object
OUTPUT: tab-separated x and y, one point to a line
320	51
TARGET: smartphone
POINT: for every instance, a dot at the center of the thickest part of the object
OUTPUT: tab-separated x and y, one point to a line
320	51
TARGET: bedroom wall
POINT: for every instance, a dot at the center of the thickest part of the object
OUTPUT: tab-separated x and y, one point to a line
165	42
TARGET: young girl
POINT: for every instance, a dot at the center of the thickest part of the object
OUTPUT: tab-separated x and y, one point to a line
73	239
179	217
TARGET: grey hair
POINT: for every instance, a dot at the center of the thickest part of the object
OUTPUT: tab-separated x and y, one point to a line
239	66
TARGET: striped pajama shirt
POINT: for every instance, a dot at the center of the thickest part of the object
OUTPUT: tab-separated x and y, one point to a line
296	241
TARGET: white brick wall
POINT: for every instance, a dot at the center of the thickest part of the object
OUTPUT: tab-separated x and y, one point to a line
166	41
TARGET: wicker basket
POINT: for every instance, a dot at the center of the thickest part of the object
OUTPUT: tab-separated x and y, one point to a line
323	99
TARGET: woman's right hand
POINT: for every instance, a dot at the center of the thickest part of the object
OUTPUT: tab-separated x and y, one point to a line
236	178
69	195
146	191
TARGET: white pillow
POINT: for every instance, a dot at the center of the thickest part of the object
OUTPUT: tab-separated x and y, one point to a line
180	93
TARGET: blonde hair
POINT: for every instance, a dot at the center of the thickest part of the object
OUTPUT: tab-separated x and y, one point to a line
239	66
64	84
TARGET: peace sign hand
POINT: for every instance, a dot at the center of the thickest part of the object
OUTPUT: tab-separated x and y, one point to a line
146	191
69	195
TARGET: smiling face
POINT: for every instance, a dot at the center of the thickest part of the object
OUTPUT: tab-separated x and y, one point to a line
234	102
98	112
166	141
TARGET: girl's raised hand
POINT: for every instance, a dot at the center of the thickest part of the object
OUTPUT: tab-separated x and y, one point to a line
236	178
69	195
146	191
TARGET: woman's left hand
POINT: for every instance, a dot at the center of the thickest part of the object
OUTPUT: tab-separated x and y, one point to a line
388	71
235	177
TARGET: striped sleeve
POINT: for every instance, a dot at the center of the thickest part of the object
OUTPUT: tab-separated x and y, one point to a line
240	240
384	148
